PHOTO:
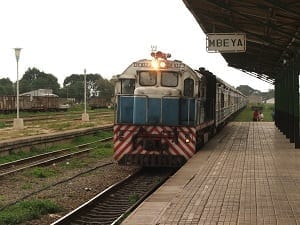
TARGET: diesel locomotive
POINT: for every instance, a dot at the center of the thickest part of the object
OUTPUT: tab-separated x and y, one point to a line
165	111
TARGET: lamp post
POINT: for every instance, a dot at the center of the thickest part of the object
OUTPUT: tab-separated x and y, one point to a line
18	123
84	90
85	116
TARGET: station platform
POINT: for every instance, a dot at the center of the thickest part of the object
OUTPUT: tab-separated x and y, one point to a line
248	173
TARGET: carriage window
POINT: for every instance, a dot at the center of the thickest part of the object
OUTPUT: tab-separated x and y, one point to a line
222	100
148	78
188	87
169	79
127	86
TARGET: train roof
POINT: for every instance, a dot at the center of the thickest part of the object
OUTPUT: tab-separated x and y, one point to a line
145	64
219	80
172	65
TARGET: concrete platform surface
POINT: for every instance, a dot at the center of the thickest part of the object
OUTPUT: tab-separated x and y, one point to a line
248	174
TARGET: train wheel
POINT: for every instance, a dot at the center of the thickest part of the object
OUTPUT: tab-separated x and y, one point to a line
199	142
213	131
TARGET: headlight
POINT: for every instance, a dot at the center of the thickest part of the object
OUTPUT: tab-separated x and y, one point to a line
154	64
187	138
162	64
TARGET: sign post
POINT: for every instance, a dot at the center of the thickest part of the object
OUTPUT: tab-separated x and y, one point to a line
226	42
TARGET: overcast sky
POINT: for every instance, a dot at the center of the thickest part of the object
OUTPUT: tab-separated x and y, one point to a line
62	37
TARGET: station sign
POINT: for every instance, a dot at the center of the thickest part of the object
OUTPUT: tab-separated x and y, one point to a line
226	42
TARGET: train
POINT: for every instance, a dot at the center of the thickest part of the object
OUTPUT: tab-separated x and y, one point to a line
96	102
8	103
166	111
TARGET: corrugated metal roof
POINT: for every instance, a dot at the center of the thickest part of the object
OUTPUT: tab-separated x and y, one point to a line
272	28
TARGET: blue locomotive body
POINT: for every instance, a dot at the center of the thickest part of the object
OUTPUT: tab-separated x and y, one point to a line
165	111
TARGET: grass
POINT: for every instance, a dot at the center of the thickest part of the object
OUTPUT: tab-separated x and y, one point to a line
35	150
133	198
103	151
41	172
24	154
26	186
2	124
247	113
60	126
74	163
2	198
74	109
27	210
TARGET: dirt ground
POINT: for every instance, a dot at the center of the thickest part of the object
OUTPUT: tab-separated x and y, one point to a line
68	195
46	127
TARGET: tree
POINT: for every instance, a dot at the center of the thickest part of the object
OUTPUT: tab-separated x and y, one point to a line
76	91
105	88
34	79
96	86
246	90
269	94
6	87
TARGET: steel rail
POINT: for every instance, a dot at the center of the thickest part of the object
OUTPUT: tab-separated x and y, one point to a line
57	183
55	116
50	138
111	205
45	159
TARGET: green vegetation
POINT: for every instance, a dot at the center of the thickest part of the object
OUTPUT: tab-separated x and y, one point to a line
33	151
247	113
77	141
77	108
246	90
2	124
27	210
41	172
97	136
60	126
72	111
2	198
74	163
26	186
133	198
73	86
102	151
15	156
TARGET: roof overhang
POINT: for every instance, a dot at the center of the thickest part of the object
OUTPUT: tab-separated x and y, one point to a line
272	30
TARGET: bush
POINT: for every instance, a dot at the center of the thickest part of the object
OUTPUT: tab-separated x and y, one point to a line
27	210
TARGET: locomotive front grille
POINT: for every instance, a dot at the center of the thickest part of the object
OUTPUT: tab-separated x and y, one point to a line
153	160
154	142
154	145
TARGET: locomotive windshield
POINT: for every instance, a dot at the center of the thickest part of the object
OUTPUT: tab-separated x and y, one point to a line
188	87
127	86
147	78
169	79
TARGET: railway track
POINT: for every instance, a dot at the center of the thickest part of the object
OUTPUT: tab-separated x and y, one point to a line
111	205
47	158
50	138
36	192
60	116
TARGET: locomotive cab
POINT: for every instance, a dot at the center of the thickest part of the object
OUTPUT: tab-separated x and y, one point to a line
165	111
159	103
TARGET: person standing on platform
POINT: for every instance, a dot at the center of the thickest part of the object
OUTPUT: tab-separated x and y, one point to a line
261	116
255	115
273	115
